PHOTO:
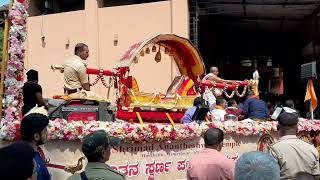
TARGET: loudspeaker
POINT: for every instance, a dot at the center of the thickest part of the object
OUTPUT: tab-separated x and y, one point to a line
309	71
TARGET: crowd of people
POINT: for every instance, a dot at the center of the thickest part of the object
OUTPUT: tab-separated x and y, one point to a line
220	110
253	108
289	158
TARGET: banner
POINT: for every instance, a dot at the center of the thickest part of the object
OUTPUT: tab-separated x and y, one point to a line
152	160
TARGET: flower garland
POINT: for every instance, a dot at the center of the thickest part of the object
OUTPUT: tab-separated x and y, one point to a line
227	95
13	82
75	130
243	92
153	132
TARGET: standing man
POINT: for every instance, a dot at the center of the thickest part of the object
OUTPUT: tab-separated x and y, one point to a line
213	76
33	130
32	93
256	165
75	71
293	155
211	163
97	149
17	162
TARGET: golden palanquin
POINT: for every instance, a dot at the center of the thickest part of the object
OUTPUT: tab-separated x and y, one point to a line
176	98
181	93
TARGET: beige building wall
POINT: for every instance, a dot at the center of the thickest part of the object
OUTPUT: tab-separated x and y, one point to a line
57	30
99	28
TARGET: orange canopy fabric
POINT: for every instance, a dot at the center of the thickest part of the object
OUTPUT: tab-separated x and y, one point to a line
185	54
311	95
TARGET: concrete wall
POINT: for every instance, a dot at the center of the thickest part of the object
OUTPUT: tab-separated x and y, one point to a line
98	28
57	30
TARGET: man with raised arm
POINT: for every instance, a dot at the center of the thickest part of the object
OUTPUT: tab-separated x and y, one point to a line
213	76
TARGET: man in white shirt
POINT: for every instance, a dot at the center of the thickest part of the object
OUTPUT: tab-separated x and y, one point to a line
75	70
219	112
213	76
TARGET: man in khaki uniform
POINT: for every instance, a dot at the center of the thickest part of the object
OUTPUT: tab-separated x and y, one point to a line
97	148
293	155
75	70
76	79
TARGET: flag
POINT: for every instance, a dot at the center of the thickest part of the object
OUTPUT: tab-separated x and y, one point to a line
311	95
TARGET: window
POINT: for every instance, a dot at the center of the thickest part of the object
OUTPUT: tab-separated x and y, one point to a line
109	3
42	7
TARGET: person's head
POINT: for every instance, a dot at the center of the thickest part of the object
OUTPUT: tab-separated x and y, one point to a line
250	94
232	103
287	123
82	50
97	146
214	70
17	162
213	138
315	137
257	165
304	176
197	101
33	128
289	104
32	75
220	101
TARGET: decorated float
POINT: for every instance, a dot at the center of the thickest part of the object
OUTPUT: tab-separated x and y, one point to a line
158	150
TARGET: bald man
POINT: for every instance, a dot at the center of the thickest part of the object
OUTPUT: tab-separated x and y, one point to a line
213	76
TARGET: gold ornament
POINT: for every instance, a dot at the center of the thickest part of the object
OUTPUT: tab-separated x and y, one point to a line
142	53
154	48
135	60
158	56
148	50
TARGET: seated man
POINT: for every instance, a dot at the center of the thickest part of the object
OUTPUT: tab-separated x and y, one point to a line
75	71
233	109
213	76
255	108
219	113
187	118
76	79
